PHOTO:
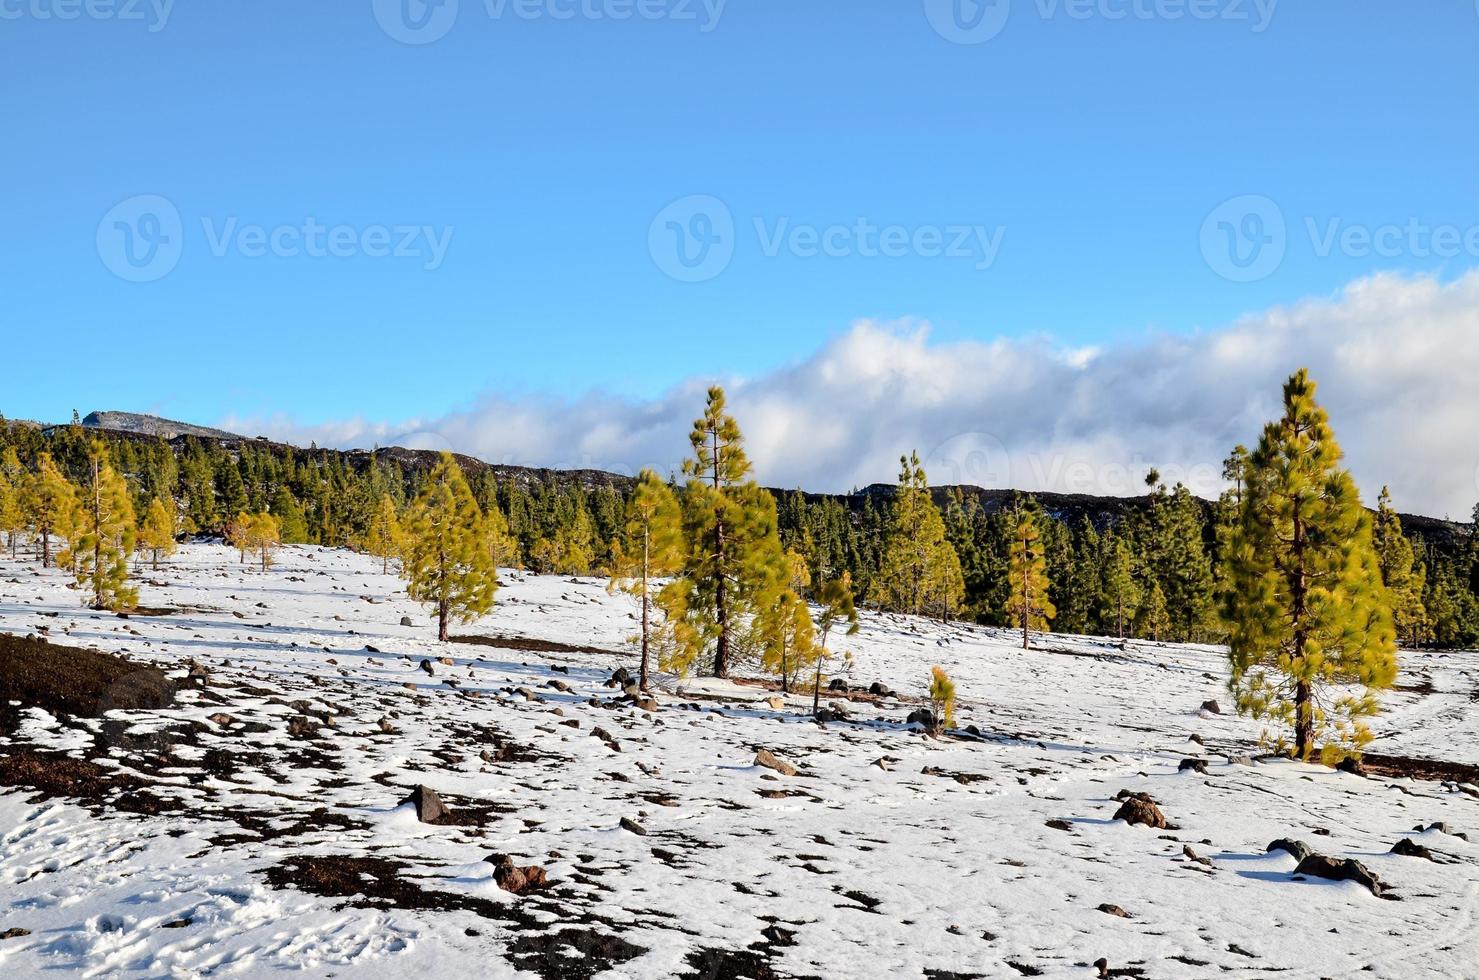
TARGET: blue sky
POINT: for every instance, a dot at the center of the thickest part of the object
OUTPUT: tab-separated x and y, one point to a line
545	147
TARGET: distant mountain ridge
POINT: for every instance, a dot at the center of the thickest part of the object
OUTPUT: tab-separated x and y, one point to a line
1100	511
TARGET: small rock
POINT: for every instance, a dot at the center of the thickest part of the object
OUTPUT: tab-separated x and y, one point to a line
1195	765
1060	824
221	718
1352	765
516	880
837	684
631	826
1192	855
301	726
406	621
14	933
921	716
880	689
1240	760
429	806
1114	910
776	702
764	758
426	666
1212	707
1197	739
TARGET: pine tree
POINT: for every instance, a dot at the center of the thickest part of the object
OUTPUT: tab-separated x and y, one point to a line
157	532
653	548
383	538
1405	584
734	554
12	512
1309	613
839	612
102	550
50	503
1028	605
1152	621
942	698
919	570
446	561
262	535
785	635
503	547
1121	595
238	534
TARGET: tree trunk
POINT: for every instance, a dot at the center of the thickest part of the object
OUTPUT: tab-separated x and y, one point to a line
45	548
816	691
1304	722
721	598
442	617
642	671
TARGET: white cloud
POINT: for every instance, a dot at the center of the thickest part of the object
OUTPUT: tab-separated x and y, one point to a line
1397	361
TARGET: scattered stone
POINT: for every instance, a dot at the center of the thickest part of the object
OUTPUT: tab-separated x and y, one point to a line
647	704
764	758
1407	847
1195	765
1114	910
406	621
885	763
1240	760
426	666
429	806
1059	824
558	685
1197	739
221	718
631	826
386	727
837	684
1191	855
516	880
1340	869
1298	848
776	702
301	726
1139	808
1352	765
880	689
14	933
1212	707
446	661
922	716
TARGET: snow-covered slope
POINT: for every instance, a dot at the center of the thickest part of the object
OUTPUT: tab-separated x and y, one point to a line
889	854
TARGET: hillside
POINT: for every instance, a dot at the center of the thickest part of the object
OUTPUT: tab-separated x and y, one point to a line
257	824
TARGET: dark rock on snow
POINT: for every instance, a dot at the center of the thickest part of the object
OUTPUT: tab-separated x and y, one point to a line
429	806
1340	869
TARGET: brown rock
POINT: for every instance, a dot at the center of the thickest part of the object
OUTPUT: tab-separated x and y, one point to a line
1140	808
1340	869
516	880
764	758
1114	910
429	806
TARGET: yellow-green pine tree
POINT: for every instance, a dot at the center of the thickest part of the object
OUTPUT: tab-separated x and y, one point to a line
786	636
383	537
919	569
734	550
50	500
238	534
262	537
1153	619
653	548
839	612
157	532
446	562
1312	636
503	547
942	698
1027	600
12	513
1121	593
107	537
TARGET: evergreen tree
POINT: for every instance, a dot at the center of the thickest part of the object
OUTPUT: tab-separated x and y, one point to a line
839	612
919	569
446	561
107	538
1152	620
942	698
1028	605
1309	614
262	536
652	548
12	512
50	503
1405	584
157	532
785	635
1121	594
734	547
383	539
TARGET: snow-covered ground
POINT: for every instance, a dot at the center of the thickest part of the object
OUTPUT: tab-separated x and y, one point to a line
937	862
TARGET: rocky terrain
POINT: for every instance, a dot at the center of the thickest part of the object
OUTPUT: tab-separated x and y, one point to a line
285	771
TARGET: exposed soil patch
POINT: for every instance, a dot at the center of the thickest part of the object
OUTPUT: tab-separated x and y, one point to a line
69	681
57	774
528	644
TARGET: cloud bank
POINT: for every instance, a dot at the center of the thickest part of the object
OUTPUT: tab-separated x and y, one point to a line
1396	359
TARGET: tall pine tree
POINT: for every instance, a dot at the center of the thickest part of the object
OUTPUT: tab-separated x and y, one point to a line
446	563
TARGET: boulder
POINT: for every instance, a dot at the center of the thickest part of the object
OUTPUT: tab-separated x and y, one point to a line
301	726
517	880
1340	869
1139	808
880	689
1407	847
426	666
1298	848
776	702
1212	707
1114	910
1352	765
837	684
1194	765
429	806
631	826
406	621
764	758
922	716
